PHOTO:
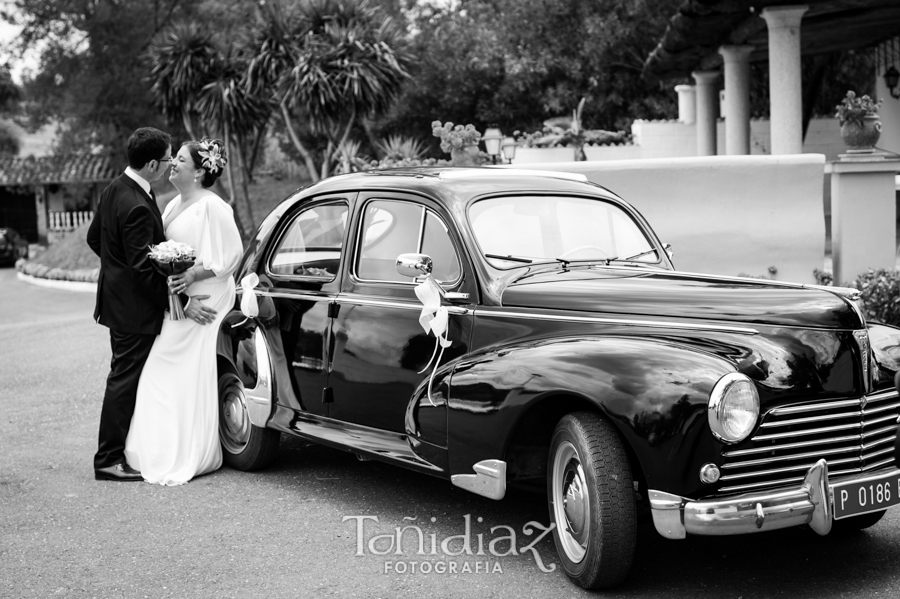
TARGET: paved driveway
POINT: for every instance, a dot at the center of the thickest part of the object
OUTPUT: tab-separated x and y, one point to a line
283	533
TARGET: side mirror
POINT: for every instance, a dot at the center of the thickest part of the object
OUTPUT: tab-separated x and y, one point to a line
414	265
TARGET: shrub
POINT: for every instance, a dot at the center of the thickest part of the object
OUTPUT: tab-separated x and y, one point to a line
880	292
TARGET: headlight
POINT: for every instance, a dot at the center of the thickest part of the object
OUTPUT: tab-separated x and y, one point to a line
733	408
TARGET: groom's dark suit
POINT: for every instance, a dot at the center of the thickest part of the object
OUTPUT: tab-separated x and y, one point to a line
131	301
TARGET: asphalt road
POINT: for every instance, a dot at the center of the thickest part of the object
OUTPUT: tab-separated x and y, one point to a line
285	532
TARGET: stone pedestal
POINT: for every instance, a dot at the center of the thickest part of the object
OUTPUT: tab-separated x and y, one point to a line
687	103
863	214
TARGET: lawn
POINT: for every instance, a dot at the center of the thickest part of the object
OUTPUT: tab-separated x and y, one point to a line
73	253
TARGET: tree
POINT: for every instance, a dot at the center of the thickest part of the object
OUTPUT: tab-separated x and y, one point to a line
325	64
181	59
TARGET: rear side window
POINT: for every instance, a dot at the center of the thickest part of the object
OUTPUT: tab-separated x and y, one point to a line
391	228
312	244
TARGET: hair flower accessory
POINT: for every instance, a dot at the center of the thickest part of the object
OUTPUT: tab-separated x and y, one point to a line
213	159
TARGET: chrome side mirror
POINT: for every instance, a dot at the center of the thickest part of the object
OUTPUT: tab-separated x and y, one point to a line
414	265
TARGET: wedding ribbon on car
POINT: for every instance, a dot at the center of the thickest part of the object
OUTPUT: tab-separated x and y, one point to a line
435	319
249	304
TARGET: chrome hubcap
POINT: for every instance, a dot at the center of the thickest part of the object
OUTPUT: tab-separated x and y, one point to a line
234	423
571	502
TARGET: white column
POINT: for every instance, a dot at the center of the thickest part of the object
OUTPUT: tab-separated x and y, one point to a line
785	92
737	98
707	111
687	103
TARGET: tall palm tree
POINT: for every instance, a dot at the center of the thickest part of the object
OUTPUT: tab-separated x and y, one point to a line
181	58
226	105
329	63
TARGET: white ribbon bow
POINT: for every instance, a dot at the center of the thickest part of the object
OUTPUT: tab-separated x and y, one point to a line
249	304
434	318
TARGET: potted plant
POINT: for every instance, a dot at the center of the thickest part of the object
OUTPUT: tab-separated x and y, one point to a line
860	127
460	142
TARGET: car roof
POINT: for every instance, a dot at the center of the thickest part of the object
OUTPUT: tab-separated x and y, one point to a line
460	184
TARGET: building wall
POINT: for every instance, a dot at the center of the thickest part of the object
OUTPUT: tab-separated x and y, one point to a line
728	215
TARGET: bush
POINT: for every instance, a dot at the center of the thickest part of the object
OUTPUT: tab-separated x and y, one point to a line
880	291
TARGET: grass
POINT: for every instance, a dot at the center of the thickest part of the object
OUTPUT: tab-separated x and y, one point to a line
73	253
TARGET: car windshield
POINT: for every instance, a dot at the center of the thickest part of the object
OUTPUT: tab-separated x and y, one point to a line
517	230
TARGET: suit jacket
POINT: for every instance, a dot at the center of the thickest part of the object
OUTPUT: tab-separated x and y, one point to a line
131	295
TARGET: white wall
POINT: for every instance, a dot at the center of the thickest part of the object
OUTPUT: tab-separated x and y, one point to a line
726	215
889	111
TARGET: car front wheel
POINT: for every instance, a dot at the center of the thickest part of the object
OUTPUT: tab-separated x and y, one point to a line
591	498
245	446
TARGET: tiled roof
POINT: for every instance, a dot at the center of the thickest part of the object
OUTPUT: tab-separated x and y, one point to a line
73	168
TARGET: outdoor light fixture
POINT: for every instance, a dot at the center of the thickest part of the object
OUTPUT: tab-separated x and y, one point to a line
508	147
492	138
891	79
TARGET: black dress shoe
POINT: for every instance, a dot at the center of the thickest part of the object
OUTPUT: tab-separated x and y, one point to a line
120	472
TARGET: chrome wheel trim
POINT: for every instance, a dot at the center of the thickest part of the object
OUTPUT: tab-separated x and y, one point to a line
234	421
571	502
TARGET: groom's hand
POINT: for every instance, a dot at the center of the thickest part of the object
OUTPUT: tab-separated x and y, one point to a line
199	312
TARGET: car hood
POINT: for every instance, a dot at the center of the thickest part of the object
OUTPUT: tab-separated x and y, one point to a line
625	291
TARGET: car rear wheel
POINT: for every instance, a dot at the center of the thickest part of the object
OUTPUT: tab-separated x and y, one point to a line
856	523
245	446
591	499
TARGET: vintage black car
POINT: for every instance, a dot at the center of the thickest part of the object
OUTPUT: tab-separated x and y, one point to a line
12	246
577	359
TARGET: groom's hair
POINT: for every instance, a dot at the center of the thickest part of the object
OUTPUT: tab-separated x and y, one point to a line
146	144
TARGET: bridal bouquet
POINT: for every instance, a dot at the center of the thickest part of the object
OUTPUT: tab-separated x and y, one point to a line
172	258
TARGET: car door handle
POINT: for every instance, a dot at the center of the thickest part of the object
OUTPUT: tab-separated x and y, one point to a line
458	310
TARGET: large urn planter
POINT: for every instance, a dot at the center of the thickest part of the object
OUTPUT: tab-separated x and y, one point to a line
535	155
465	156
861	135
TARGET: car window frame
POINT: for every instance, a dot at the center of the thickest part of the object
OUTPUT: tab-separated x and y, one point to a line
357	246
289	220
637	218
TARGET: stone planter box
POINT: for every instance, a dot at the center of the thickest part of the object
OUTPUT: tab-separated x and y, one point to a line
537	155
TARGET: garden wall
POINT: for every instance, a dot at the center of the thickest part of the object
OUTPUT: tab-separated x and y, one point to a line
726	215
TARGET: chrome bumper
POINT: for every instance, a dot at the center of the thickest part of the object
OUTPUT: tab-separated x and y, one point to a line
810	503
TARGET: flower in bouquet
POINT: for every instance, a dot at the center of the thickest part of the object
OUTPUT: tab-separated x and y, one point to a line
171	258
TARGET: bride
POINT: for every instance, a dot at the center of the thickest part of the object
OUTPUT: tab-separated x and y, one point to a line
174	433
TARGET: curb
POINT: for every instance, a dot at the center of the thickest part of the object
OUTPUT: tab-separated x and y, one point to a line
78	286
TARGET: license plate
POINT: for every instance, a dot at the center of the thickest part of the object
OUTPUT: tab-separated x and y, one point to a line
867	495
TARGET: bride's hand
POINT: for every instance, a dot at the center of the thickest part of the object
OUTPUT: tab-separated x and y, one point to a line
178	283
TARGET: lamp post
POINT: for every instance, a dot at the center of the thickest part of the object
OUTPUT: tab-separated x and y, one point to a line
891	79
492	138
508	147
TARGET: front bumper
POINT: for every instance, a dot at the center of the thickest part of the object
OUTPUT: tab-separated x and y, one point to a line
810	503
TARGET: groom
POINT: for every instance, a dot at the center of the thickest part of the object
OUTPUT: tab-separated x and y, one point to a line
131	295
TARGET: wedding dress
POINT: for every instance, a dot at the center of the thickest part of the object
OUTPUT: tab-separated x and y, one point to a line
174	434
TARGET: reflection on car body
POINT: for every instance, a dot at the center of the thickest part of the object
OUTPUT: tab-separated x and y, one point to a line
580	362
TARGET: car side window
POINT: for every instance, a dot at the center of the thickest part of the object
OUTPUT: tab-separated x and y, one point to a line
391	228
312	243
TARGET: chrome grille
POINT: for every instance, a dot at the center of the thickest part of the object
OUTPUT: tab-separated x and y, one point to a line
853	435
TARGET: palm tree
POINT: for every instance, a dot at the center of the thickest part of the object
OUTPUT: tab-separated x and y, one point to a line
181	58
328	63
226	105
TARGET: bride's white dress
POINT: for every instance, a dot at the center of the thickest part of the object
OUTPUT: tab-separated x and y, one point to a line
174	434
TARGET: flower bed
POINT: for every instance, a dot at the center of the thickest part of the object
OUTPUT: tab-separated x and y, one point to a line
41	271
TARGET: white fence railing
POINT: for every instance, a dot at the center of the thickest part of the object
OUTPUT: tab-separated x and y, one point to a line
68	221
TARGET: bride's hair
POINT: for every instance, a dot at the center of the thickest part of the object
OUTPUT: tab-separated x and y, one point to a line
208	154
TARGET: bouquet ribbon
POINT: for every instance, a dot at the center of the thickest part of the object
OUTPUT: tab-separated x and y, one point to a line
434	318
249	303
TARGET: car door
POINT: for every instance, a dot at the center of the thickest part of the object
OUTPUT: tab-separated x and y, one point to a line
381	352
301	281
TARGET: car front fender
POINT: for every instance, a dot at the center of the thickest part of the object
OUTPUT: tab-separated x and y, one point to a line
654	391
